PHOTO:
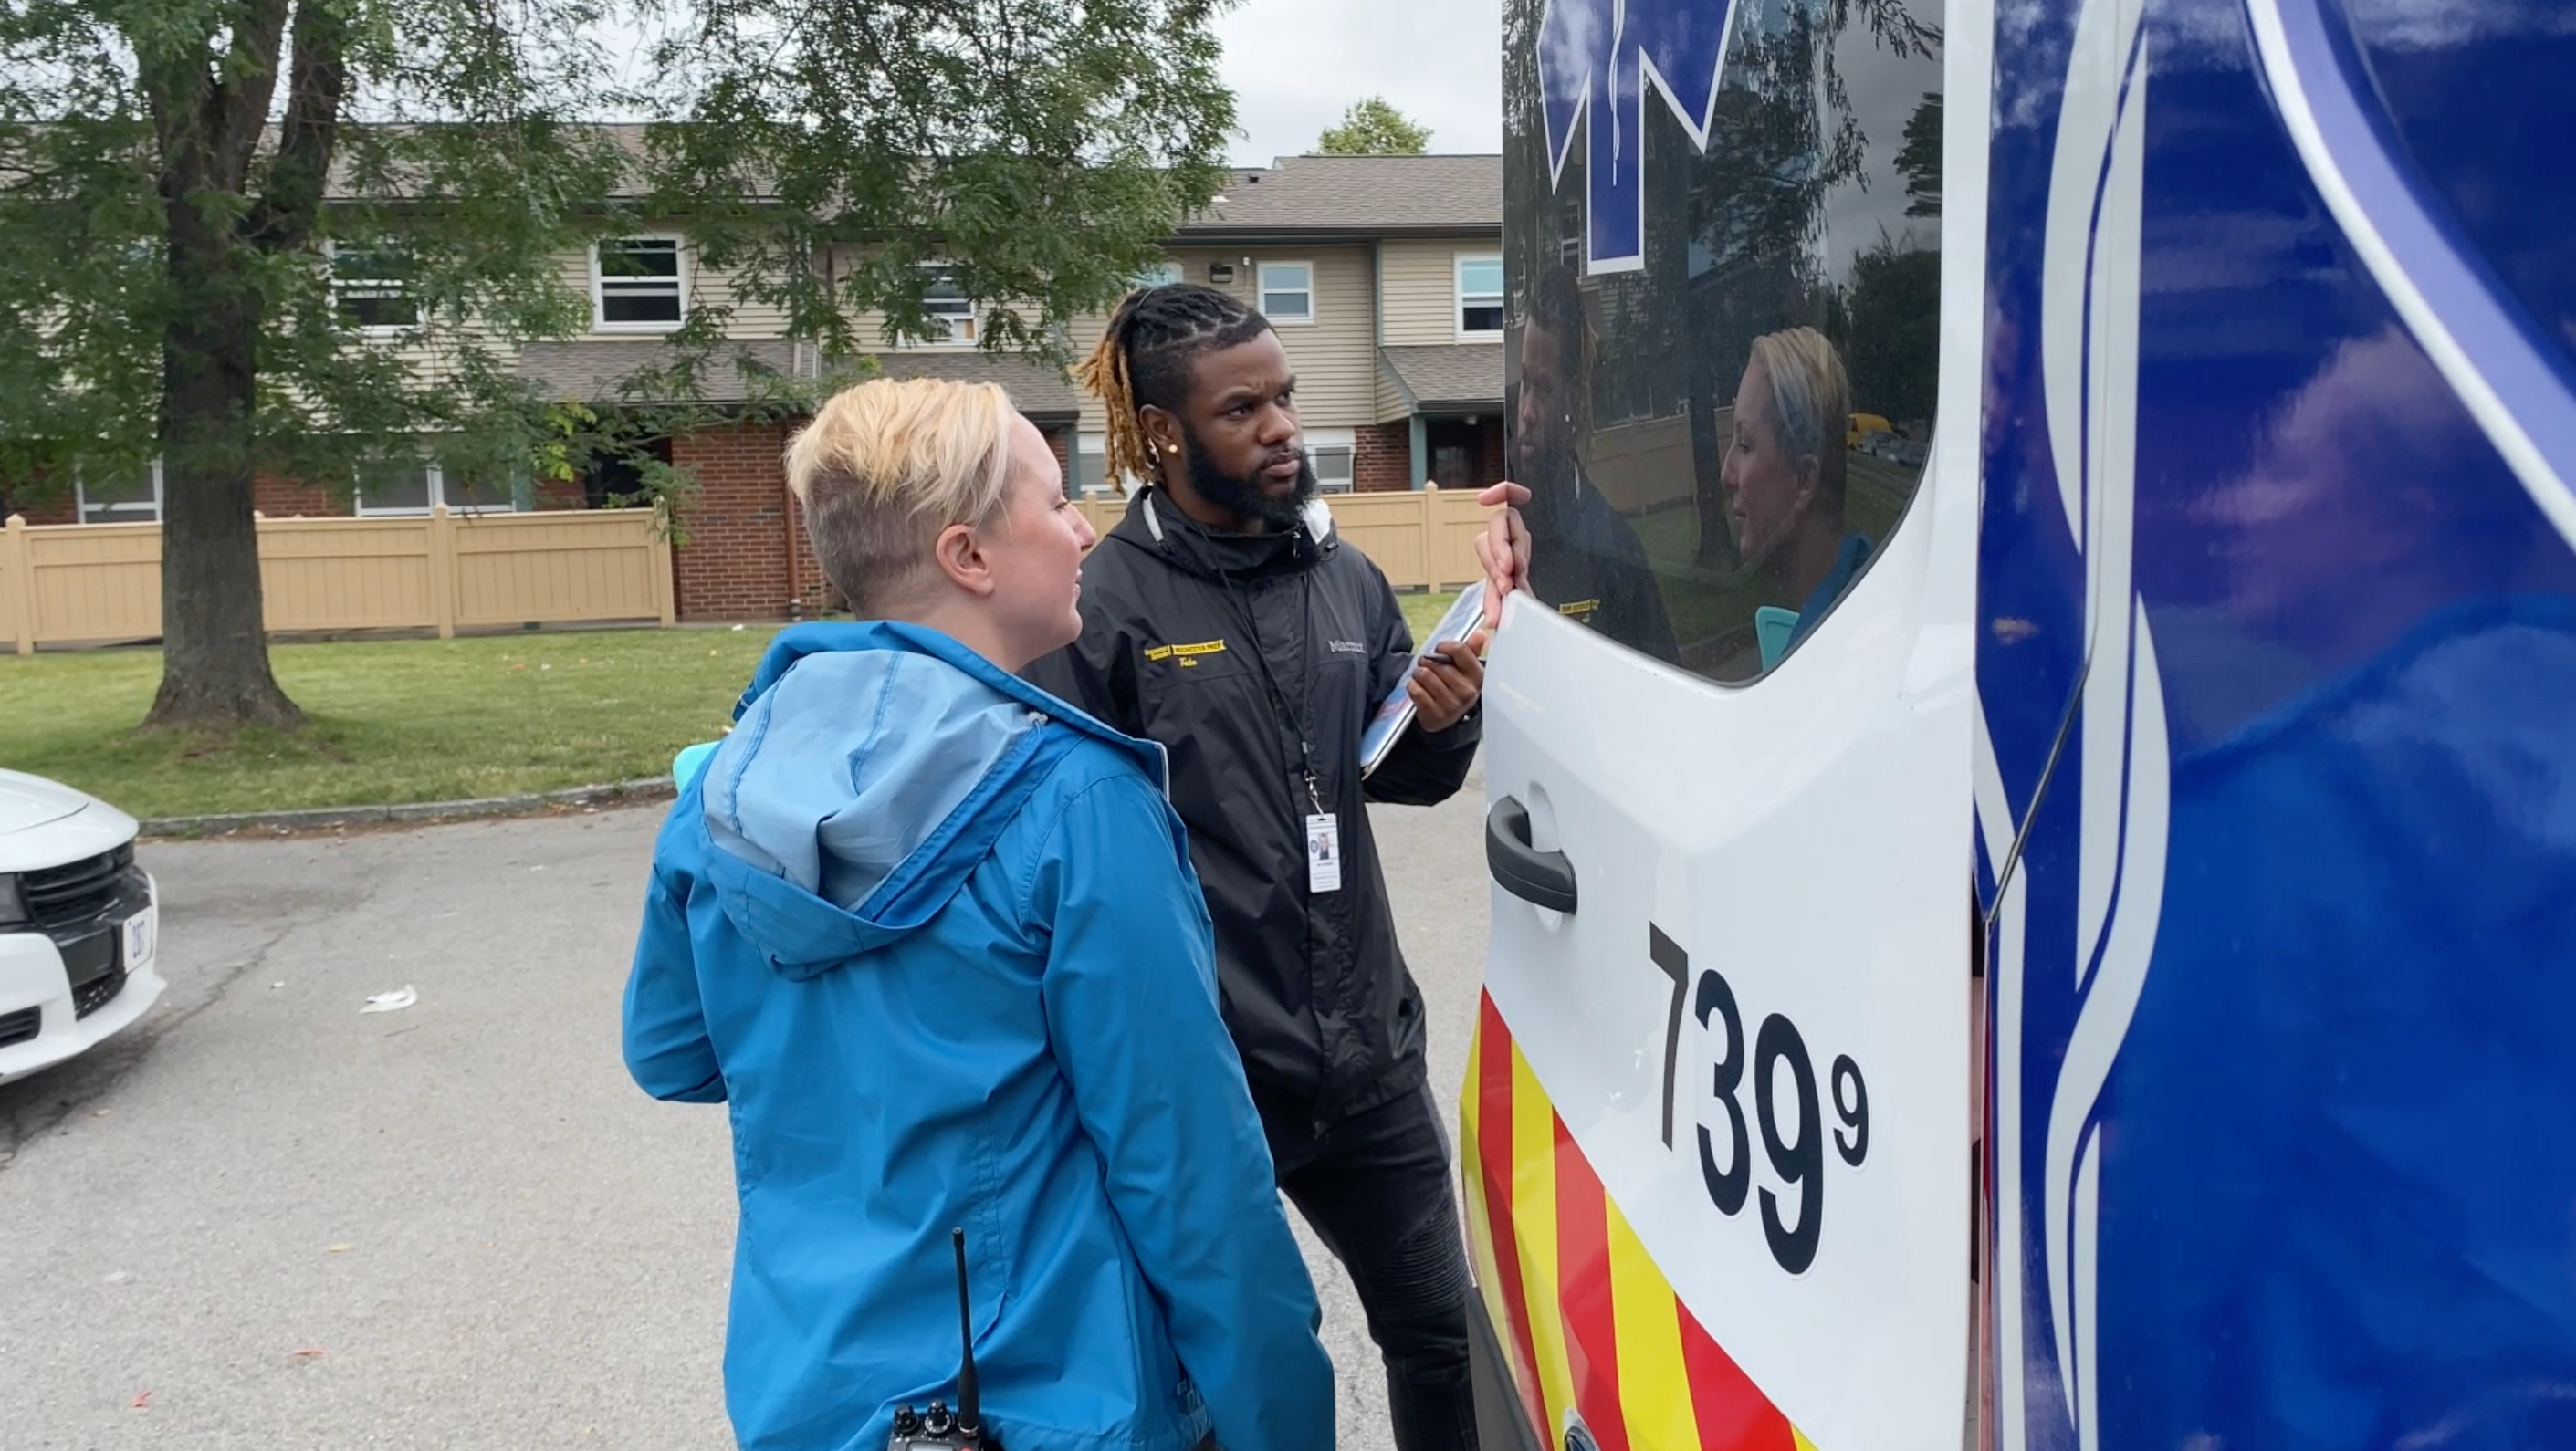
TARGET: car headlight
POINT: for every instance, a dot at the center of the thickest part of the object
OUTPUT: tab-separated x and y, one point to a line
13	903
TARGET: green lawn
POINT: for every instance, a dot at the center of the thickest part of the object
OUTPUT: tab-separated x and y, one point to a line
400	720
391	720
1422	611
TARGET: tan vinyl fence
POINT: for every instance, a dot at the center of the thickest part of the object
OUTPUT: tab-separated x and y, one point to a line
440	571
1422	538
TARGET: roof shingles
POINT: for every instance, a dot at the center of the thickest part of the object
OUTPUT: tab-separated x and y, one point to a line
1359	195
1454	377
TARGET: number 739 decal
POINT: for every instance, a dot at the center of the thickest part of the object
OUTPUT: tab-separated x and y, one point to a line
1726	1153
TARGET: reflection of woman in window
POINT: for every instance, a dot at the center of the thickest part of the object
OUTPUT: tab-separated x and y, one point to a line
1784	471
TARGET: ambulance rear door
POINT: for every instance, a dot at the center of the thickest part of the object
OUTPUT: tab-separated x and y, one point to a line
1717	1122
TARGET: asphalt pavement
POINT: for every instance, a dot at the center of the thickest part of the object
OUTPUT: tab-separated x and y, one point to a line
263	1219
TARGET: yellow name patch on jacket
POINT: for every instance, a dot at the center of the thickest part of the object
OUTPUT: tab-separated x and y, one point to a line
1187	656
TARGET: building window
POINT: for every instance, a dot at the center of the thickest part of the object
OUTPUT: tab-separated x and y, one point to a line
1090	465
415	488
1288	292
1161	274
1332	454
636	284
1480	297
952	316
369	287
130	499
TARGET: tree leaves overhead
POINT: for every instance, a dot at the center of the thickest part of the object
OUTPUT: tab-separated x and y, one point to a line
175	173
1043	149
1040	149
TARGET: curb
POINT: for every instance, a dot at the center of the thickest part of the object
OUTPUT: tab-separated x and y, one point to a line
418	812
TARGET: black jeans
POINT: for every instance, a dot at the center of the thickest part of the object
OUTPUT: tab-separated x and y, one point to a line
1376	1191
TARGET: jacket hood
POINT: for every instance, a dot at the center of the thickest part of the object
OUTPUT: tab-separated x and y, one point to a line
870	769
1157	526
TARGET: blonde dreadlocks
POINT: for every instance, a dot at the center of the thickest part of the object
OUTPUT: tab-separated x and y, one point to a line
1144	361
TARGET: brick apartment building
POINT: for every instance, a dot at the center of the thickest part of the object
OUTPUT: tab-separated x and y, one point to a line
1383	275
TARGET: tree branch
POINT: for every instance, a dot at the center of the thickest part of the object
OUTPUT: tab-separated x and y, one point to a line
237	104
287	211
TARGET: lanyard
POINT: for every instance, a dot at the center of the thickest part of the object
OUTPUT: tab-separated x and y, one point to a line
1296	724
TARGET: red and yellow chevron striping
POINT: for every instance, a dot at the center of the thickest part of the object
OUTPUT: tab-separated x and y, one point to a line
1593	1329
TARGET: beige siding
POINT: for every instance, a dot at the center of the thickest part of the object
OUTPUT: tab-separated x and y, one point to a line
1421	288
1335	356
1391	402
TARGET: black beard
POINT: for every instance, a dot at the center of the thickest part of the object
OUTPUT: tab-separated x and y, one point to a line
1243	498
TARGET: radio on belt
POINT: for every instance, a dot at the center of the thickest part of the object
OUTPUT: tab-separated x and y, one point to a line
936	1429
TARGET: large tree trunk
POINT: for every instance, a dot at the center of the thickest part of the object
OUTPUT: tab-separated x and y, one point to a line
215	673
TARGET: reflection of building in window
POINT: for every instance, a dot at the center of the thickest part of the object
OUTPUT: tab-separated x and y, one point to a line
415	488
637	284
952	314
1480	296
130	498
369	287
1288	291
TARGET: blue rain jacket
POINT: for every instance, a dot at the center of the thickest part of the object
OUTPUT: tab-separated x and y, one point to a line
933	937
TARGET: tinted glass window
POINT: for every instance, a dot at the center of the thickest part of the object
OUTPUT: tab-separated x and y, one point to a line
368	281
1721	410
639	281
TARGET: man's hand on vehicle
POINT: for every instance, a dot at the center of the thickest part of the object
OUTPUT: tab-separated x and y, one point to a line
1446	685
1504	548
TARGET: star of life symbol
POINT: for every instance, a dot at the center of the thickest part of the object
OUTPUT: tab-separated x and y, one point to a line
1596	59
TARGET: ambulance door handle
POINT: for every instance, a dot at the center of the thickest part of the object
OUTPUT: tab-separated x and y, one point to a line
1541	878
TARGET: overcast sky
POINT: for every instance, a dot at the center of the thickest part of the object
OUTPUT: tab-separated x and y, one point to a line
1296	65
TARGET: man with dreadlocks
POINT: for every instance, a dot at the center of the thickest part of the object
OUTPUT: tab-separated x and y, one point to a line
1224	619
1583	557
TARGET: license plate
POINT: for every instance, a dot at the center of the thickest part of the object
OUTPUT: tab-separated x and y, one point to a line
140	930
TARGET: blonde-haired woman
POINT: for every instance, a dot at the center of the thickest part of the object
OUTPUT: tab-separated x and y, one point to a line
1785	469
934	936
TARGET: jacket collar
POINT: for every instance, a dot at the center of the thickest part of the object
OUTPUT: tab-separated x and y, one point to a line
1154	524
798	641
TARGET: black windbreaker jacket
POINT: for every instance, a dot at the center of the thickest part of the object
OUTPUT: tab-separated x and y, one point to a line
1178	625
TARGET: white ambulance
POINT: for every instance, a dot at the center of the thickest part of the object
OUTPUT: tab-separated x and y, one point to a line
2052	920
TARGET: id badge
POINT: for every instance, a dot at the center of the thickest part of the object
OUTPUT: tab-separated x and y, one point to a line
1323	853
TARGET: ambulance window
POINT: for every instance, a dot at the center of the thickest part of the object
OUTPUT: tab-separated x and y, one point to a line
1721	431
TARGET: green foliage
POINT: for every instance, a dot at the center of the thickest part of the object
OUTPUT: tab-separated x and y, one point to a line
1041	149
1374	128
175	176
1890	332
1920	160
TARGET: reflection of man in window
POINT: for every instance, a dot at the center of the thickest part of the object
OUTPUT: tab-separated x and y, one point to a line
1584	559
1784	471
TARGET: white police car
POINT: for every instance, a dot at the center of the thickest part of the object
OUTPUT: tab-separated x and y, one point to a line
79	924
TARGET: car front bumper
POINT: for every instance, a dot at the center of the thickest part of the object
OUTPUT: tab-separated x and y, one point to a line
46	983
